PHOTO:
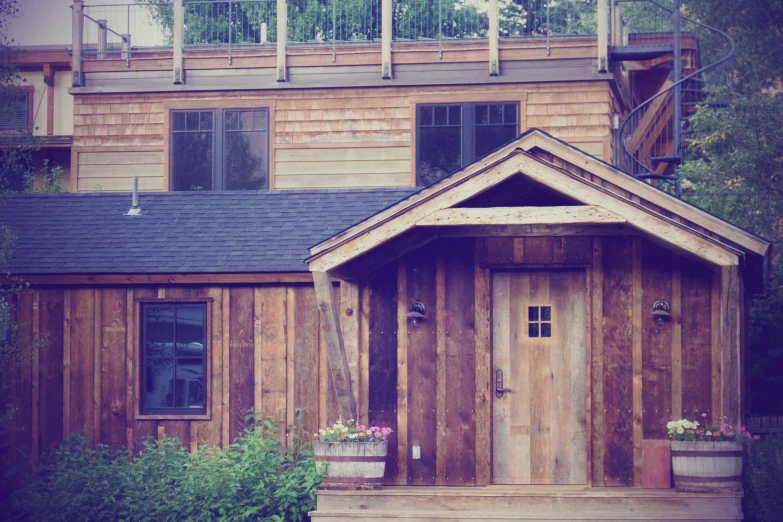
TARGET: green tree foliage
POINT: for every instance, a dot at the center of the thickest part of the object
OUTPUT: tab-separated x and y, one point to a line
735	165
256	478
763	475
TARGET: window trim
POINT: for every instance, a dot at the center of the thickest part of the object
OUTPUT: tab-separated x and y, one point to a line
30	90
519	97
138	325
211	105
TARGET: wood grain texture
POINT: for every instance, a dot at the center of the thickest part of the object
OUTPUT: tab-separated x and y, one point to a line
637	361
67	364
677	345
113	316
460	363
272	330
364	356
440	356
306	359
50	382
82	361
697	341
208	432
349	311
656	342
483	412
402	373
598	405
618	362
382	393
142	430
422	368
241	352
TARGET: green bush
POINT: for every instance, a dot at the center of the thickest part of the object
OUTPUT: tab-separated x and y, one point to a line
254	479
763	501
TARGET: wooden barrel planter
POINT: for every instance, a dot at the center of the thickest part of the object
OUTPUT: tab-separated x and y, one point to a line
351	465
707	467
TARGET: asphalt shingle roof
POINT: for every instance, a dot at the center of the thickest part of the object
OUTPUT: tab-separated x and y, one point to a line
201	232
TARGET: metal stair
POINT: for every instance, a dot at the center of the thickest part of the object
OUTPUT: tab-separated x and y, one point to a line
654	136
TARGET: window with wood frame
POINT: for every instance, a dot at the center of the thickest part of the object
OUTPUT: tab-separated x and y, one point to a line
220	149
173	359
16	109
452	136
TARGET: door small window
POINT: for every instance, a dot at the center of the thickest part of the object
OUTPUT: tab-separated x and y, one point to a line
539	321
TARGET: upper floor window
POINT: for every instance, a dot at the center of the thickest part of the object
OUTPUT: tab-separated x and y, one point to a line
16	110
220	149
450	137
174	359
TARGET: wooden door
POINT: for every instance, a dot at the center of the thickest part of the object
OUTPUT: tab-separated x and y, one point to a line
539	342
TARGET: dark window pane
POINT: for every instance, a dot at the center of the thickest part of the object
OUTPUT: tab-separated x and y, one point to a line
192	160
425	116
546	329
232	120
160	331
246	157
510	113
532	330
178	121
14	109
546	313
246	120
259	120
191	121
482	114
205	121
159	389
190	331
496	114
532	313
441	115
492	137
190	384
439	153
455	115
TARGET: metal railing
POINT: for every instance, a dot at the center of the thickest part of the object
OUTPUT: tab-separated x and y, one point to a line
116	31
653	137
334	21
231	24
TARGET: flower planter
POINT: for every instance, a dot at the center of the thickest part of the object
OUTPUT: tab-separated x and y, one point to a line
351	465
707	467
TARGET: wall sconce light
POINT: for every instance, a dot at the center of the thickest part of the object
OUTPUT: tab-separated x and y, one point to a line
661	312
416	312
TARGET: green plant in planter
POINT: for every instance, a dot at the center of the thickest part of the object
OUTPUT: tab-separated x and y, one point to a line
350	432
691	431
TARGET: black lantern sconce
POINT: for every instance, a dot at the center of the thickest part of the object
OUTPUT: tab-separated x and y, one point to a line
416	312
661	312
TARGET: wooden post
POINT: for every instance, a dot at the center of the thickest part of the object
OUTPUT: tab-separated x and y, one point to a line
282	37
77	33
625	34
264	38
102	38
179	35
494	32
126	47
730	336
603	35
48	74
335	346
617	23
386	39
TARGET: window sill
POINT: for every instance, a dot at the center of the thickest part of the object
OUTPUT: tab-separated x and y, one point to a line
174	416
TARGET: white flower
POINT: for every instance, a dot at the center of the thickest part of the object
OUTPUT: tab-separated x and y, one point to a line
680	430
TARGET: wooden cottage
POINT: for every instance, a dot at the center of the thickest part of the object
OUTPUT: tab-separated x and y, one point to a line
299	195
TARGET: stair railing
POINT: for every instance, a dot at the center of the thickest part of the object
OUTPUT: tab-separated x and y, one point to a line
651	138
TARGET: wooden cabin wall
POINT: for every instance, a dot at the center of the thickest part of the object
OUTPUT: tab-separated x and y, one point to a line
322	138
266	347
431	385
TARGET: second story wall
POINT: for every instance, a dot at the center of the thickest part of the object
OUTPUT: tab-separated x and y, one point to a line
317	138
51	113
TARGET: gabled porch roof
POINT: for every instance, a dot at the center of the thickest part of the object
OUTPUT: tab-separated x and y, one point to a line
602	194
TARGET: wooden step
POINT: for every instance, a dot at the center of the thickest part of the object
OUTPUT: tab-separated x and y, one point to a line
440	516
509	504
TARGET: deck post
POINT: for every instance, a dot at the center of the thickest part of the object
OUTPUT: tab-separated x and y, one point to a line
386	39
336	358
179	26
603	35
102	38
282	37
494	34
77	36
617	23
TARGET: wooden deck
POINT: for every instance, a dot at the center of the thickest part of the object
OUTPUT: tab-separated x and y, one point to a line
493	503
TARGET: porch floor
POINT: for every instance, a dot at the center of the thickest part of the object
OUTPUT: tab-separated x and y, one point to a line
545	503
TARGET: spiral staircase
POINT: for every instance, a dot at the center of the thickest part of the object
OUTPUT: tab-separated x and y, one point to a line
654	136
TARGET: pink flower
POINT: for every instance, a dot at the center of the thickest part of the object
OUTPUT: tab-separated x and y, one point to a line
756	437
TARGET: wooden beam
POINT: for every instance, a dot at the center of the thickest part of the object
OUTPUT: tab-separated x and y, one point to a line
48	74
282	37
603	35
730	311
77	33
581	215
597	428
483	406
402	373
178	70
386	39
636	359
335	346
494	35
162	279
386	253
534	230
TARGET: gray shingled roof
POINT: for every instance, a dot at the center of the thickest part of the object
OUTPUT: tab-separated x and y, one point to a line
201	232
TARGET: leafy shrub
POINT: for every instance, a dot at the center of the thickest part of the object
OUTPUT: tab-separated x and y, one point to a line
763	501
254	479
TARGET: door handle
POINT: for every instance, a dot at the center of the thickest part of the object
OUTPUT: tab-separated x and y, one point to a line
499	389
